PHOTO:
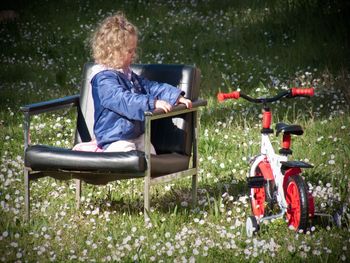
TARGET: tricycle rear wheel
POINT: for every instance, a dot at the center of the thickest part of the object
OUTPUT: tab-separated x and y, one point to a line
296	195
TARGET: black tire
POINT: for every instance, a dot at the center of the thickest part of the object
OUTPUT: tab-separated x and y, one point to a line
296	195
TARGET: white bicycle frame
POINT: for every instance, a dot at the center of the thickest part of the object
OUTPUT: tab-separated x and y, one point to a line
268	154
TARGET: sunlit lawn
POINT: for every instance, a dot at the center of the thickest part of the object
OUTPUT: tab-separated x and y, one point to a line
260	47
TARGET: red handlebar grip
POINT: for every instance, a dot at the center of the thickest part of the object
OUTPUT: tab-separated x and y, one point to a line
308	92
231	95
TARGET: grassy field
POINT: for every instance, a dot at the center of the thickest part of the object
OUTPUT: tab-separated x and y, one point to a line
260	47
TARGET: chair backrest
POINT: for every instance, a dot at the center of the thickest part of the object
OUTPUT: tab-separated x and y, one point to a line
168	135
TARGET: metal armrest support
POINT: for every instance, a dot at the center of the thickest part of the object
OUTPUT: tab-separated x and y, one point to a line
42	107
33	109
51	105
158	114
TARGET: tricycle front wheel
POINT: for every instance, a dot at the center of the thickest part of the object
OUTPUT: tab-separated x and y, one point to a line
261	198
252	227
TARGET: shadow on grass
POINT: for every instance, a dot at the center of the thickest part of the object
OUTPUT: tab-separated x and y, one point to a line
210	198
177	200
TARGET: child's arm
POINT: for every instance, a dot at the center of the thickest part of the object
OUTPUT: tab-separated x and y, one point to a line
185	101
111	94
161	91
162	104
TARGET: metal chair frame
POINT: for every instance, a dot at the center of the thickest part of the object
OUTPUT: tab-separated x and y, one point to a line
149	181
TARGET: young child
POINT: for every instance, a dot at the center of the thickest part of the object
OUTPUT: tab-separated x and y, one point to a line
120	96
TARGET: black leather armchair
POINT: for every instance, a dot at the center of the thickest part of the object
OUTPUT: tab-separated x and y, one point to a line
173	134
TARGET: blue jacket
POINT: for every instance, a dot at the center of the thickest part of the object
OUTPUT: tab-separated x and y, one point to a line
120	104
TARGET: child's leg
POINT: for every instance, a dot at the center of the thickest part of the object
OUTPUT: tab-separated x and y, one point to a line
140	144
121	146
129	145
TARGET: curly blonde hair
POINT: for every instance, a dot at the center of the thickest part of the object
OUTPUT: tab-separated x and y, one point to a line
111	41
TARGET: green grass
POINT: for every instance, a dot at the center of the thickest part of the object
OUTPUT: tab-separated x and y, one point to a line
260	47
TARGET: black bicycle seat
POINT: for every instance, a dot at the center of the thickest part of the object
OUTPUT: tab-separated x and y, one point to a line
288	129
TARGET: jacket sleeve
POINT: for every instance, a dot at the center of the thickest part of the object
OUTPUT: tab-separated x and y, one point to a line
113	95
161	91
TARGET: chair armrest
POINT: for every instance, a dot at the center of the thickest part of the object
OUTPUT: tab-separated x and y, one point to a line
176	110
51	105
159	114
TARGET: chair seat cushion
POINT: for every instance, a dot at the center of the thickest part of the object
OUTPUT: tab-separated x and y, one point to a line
43	157
168	163
49	158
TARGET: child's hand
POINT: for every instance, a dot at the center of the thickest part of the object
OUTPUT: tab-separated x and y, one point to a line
185	101
162	104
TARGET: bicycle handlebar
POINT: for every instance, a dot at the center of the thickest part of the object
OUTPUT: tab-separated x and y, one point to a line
293	92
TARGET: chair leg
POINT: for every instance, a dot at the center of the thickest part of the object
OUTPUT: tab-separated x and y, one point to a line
146	199
195	158
194	190
26	194
77	192
26	130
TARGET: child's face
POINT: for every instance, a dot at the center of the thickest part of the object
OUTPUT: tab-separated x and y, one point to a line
131	51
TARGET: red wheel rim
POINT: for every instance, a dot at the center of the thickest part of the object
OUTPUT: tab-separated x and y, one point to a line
258	201
293	202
